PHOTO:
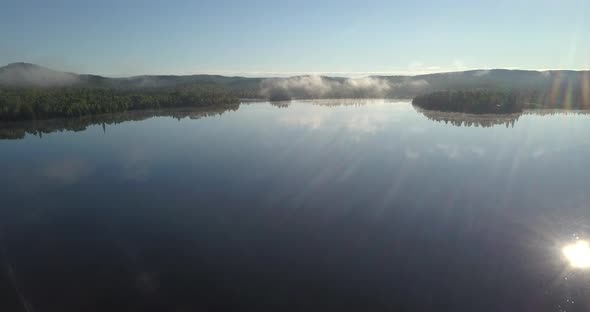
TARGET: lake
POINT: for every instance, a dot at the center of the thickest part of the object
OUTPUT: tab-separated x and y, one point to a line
334	205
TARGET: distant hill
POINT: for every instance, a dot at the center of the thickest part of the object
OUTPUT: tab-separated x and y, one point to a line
498	79
560	81
25	74
31	75
29	91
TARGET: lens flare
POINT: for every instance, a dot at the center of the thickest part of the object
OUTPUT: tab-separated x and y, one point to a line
578	254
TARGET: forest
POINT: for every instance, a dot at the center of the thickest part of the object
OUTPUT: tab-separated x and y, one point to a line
44	103
472	102
32	92
497	101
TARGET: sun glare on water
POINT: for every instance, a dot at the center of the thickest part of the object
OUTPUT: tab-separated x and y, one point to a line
578	254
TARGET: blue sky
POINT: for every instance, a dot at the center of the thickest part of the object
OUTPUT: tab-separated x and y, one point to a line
130	37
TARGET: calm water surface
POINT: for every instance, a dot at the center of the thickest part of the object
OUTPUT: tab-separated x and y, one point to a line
312	206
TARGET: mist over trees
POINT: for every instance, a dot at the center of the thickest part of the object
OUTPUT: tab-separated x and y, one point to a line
31	75
319	87
28	91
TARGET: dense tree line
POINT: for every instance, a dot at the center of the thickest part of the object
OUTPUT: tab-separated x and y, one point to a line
498	101
43	103
473	102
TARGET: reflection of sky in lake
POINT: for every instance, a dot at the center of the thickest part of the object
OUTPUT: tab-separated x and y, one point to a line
305	207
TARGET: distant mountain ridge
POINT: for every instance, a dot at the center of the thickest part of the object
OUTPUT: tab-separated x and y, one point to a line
29	91
31	75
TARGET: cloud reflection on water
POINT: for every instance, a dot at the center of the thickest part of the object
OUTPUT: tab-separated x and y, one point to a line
68	171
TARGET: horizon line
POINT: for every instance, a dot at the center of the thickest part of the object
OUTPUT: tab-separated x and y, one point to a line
333	74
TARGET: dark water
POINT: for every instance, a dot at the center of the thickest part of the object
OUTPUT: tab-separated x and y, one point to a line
310	207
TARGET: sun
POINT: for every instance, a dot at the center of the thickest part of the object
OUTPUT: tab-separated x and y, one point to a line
578	254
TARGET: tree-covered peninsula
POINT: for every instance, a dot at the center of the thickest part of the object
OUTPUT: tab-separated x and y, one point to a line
45	103
472	102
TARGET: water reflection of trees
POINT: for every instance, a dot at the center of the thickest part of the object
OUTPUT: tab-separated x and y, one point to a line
553	112
280	104
18	130
490	120
471	120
